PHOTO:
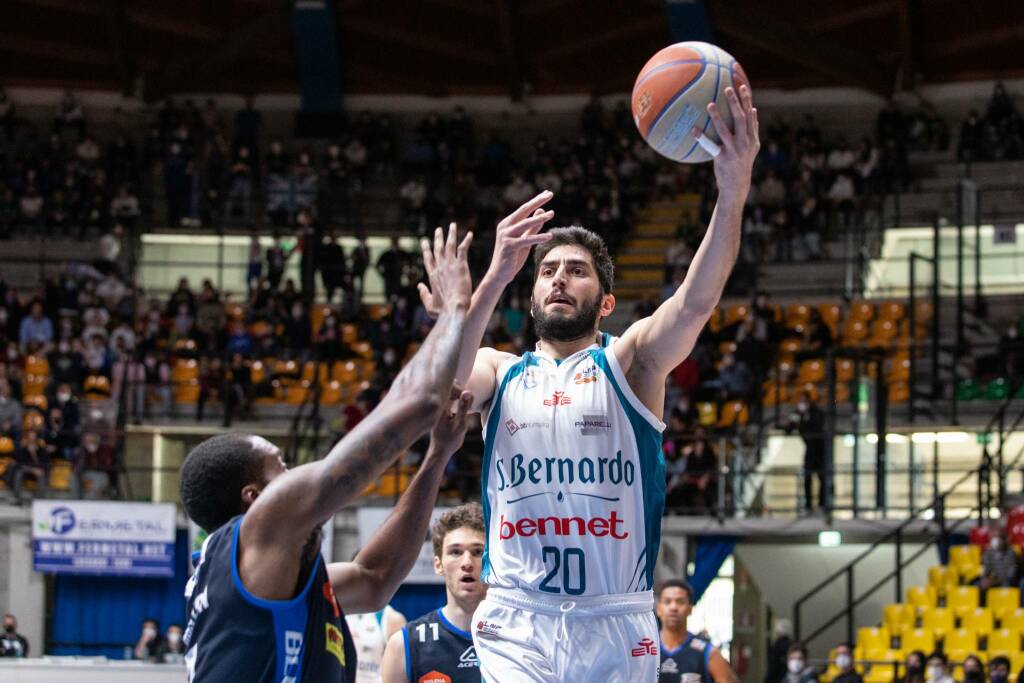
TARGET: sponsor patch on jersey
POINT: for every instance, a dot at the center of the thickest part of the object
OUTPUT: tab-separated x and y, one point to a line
435	677
512	426
488	627
331	600
336	642
669	666
645	647
558	399
698	644
468	658
586	376
593	425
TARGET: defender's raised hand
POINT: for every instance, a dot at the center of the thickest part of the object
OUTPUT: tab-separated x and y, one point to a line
447	266
517	234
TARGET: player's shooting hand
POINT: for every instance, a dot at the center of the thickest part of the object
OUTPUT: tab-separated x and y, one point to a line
450	430
447	266
517	234
734	163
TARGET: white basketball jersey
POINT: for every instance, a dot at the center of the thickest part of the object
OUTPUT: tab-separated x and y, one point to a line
369	638
573	477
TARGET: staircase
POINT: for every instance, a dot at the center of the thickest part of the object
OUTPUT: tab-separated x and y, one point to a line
641	261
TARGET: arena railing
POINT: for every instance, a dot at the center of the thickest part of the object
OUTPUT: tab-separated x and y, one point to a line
936	513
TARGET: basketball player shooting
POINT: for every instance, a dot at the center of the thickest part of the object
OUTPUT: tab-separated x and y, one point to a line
262	605
573	474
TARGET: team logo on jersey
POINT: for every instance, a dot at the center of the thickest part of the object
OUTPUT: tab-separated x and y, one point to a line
669	666
558	399
593	425
435	677
336	642
468	658
512	426
331	600
586	376
645	647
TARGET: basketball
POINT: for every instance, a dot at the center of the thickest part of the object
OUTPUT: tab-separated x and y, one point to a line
671	94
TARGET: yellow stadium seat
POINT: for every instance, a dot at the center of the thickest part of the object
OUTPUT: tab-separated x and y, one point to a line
942	578
774	393
259	372
1002	601
811	371
37	365
707	413
790	346
345	372
965	558
899	392
6	445
727	347
60	475
1012	620
1003	641
873	638
733	412
897	616
96	388
939	620
349	333
331	393
861	310
797	313
363	349
882	671
917	639
891	310
921	597
960	640
187	392
978	620
377	312
736	313
38	402
6	462
31	420
962	599
854	331
34	385
185	370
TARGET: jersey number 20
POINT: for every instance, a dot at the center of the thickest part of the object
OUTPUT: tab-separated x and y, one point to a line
573	567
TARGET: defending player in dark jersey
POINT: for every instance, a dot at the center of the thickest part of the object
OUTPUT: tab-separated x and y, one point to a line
681	651
439	645
263	606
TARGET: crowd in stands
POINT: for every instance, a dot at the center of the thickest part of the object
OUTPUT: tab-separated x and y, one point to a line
996	135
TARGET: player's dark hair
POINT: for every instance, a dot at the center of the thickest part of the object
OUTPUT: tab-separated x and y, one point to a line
468	516
589	240
676	583
213	476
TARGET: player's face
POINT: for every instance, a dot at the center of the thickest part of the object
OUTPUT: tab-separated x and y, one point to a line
461	556
673	607
567	300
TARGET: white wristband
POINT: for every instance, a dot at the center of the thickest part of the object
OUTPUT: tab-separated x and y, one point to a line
709	145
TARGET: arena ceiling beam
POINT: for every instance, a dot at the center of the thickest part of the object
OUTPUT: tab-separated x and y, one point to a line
855	15
266	31
744	22
419	40
975	41
52	50
595	40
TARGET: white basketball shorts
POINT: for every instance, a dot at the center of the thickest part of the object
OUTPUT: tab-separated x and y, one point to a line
530	637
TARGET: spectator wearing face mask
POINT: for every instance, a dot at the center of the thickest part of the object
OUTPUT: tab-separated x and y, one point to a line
938	669
782	638
797	668
1000	566
844	662
974	670
999	670
151	645
174	652
12	643
914	668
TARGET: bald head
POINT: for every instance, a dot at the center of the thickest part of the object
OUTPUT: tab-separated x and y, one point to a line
216	474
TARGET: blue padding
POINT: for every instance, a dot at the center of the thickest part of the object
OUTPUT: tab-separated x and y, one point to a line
414	600
711	552
91	613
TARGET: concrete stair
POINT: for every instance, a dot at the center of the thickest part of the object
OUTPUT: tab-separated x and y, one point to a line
640	264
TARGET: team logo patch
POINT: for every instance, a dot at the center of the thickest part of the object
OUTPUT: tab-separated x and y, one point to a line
645	647
468	658
558	399
512	427
593	425
669	666
698	645
586	376
331	600
435	677
336	642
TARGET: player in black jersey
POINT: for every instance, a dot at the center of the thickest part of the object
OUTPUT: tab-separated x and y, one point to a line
263	607
681	651
438	647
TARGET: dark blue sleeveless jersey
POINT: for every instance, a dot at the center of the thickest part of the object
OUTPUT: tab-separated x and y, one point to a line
691	657
436	650
234	636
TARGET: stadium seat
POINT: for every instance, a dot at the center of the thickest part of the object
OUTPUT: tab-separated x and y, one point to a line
187	392
891	310
96	388
917	639
1013	620
287	371
6	462
812	370
1002	601
331	393
797	314
37	365
707	413
715	321
897	616
899	392
959	643
349	333
34	385
296	394
258	372
854	332
377	312
185	370
978	620
962	599
37	402
736	313
873	638
966	559
883	671
363	349
1014	515
234	312
260	328
941	578
996	390
844	370
733	413
861	310
968	390
60	475
899	371
939	621
842	393
807	389
883	332
319	371
345	372
922	597
6	445
30	419
830	314
773	393
1003	641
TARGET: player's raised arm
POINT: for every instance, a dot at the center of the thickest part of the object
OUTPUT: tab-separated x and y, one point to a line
368	582
294	504
655	345
516	234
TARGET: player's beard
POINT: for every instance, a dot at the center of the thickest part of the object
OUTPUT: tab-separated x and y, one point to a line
566	328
